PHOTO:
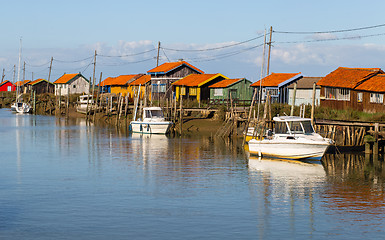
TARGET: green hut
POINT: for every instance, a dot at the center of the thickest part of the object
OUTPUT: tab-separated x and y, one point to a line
238	89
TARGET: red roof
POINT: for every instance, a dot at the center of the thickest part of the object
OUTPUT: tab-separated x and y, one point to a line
120	80
142	80
348	77
22	83
373	84
225	83
66	78
196	80
166	67
274	79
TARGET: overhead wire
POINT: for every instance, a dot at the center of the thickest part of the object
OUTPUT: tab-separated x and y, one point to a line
215	48
332	31
128	55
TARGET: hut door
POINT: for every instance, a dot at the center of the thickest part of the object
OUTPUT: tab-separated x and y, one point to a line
233	93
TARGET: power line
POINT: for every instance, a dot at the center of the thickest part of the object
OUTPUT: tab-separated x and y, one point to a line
333	31
129	55
31	65
126	63
211	49
335	39
223	55
73	61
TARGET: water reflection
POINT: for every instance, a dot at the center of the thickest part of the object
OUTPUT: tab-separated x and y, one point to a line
356	184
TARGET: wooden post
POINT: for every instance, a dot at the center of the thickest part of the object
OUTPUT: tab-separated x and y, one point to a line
49	74
313	105
180	115
34	102
157	57
268	55
293	100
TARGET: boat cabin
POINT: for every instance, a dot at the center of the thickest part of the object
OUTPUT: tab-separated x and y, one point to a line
292	125
153	113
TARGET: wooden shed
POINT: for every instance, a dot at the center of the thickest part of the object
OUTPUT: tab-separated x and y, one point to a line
304	91
72	83
238	89
352	88
163	76
196	86
40	86
22	85
277	85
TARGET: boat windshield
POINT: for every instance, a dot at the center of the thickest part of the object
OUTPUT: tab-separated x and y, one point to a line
154	114
294	126
157	113
307	127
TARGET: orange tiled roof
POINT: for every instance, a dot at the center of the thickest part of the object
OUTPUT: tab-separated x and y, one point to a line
196	80
274	79
166	67
142	80
36	81
348	77
22	83
225	83
119	80
107	81
373	84
66	78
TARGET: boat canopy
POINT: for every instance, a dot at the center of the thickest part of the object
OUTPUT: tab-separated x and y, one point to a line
293	125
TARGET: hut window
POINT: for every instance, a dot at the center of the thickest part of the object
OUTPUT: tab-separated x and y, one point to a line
330	93
359	97
376	98
162	88
154	88
193	91
343	94
182	90
218	92
74	86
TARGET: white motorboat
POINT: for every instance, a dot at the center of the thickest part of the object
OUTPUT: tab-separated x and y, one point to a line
293	137
21	107
84	103
153	122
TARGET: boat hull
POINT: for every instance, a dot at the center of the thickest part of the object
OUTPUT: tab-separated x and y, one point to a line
150	127
289	150
21	107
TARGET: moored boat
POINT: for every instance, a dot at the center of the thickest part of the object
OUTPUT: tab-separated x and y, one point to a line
21	107
293	137
85	103
153	122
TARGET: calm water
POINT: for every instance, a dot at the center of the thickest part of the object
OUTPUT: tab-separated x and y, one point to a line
65	180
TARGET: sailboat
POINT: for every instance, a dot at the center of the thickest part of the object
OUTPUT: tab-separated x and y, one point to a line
20	106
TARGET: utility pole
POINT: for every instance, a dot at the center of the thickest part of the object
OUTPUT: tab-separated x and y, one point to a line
268	56
50	69
93	78
2	76
49	74
157	57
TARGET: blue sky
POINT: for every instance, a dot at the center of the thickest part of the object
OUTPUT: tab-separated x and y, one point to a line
70	31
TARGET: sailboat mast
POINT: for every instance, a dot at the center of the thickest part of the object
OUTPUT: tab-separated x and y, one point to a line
260	81
18	73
